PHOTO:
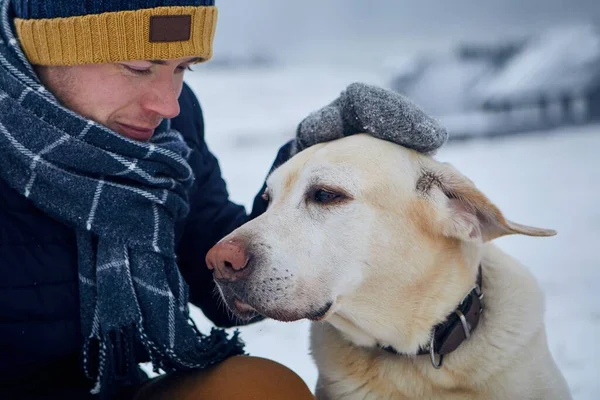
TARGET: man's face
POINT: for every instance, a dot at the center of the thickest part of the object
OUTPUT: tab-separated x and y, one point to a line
131	98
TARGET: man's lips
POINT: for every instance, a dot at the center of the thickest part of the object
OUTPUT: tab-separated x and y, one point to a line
136	132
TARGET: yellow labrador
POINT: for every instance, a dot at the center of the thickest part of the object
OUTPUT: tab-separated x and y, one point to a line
388	251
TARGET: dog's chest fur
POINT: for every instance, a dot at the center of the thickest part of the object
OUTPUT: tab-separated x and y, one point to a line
350	372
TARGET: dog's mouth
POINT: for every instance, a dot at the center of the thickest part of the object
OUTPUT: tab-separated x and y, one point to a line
322	313
246	302
245	310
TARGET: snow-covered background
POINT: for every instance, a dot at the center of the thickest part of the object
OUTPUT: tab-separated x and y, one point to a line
546	179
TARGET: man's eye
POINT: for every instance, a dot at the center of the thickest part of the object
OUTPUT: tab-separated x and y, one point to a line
139	71
183	68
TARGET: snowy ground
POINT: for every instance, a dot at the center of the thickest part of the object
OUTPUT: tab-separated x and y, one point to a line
549	181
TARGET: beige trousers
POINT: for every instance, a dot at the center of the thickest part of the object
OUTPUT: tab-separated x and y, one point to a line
237	378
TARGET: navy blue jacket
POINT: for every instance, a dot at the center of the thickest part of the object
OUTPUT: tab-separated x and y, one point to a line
40	335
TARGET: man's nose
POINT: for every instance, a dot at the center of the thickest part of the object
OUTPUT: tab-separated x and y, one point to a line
164	100
229	260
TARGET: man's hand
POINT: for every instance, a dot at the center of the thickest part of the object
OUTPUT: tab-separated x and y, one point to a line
369	109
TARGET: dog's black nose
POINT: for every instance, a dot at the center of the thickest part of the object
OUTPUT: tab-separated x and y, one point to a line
229	260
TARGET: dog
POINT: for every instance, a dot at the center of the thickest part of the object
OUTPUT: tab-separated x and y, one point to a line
389	252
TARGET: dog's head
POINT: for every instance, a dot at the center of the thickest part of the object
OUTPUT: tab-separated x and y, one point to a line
357	226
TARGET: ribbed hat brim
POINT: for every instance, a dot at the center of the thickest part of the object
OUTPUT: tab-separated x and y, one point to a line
119	36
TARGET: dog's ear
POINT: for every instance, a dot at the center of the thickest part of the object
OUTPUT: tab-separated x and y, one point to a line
467	213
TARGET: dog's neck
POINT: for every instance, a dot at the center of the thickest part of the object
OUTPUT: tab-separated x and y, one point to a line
445	336
508	344
513	317
456	328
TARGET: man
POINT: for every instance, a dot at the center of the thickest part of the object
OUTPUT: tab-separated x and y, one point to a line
109	202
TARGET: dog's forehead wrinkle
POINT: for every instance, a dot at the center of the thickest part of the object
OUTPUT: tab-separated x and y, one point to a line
329	173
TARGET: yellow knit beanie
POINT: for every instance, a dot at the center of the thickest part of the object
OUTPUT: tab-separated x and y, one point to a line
71	32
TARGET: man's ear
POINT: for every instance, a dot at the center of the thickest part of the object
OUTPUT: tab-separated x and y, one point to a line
466	213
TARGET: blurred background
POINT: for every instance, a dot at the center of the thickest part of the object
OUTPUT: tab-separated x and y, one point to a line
516	83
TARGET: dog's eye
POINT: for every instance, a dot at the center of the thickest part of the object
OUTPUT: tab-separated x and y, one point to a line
324	196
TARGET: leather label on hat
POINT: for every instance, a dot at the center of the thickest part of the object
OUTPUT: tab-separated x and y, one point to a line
170	28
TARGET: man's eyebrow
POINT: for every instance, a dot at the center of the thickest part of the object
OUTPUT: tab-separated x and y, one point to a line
165	62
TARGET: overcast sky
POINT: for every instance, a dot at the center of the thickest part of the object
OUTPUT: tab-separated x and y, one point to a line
318	28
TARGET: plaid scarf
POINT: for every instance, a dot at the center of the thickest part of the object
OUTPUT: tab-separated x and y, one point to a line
122	197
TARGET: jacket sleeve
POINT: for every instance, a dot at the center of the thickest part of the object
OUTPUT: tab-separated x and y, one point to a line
212	215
